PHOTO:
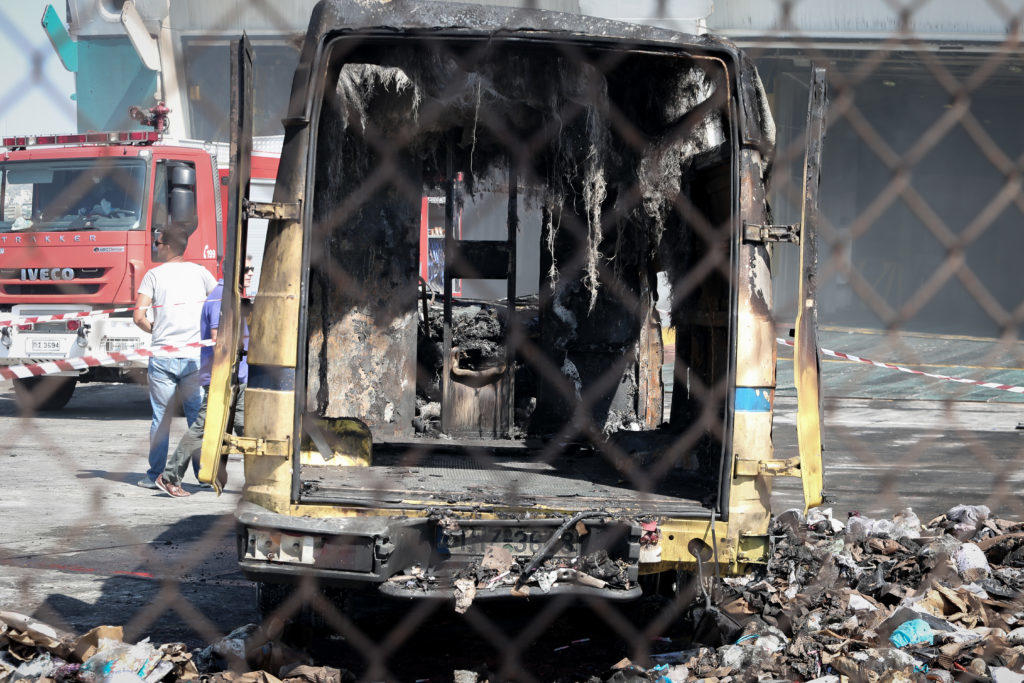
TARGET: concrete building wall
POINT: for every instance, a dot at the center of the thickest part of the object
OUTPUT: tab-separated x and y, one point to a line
900	248
840	19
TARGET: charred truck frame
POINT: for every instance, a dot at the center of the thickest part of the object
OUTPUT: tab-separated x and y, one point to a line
401	437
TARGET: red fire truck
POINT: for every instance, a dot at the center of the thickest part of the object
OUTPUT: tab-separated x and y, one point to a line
77	218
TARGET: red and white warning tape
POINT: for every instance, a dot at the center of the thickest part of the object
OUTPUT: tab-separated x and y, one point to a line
85	362
52	367
73	315
911	371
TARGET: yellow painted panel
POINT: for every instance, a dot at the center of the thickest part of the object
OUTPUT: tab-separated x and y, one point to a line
268	414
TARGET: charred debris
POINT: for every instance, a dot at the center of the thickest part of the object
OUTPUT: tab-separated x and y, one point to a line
858	599
622	157
854	599
863	599
575	558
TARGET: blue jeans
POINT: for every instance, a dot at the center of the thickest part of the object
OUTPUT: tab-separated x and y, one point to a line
191	445
171	380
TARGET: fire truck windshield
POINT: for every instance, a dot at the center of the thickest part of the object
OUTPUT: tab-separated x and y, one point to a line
72	194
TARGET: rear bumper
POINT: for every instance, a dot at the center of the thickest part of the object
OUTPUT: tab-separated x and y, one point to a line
368	551
397	591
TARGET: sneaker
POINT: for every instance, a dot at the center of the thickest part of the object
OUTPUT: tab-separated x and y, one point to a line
147	483
170	489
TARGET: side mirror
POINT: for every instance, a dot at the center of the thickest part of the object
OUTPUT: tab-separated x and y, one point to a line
181	186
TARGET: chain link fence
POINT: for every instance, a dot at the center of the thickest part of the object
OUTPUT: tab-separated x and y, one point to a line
545	272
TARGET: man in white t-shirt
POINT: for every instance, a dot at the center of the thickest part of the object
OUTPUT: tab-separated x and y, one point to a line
173	293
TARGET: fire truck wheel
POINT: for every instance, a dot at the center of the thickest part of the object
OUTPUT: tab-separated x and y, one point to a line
44	393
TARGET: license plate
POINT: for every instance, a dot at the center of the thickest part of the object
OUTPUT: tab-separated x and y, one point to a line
475	540
122	344
47	346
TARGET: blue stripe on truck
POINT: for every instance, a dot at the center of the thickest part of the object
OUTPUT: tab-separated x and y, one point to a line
272	377
753	399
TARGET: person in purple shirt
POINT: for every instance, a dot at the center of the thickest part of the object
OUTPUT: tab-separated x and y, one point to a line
191	444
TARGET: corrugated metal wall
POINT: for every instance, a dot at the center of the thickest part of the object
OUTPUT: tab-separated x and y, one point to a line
954	19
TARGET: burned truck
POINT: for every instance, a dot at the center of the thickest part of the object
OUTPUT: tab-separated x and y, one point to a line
514	332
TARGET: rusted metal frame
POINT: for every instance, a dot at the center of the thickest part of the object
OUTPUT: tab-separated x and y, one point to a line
247	445
511	331
447	391
271	211
807	358
771	233
789	467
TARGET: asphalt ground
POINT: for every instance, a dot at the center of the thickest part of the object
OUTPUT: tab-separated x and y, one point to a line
81	545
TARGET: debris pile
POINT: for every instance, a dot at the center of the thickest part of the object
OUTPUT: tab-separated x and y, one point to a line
33	650
867	599
859	599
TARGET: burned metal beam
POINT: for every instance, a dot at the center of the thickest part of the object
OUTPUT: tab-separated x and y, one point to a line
447	391
511	329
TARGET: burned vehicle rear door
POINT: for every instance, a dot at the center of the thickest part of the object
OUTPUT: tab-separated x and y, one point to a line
806	354
508	237
227	352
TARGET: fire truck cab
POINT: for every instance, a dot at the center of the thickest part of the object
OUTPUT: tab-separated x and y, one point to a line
77	219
